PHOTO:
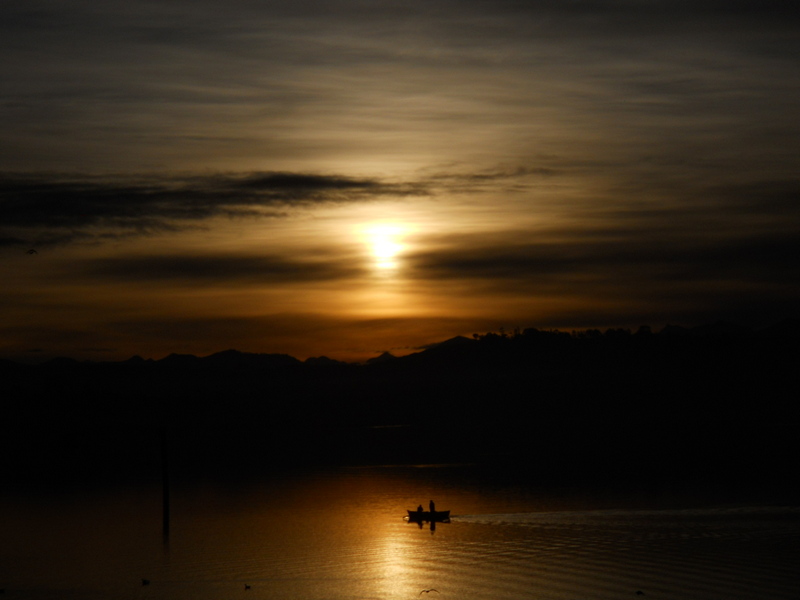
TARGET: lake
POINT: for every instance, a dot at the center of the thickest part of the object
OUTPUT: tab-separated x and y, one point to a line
340	534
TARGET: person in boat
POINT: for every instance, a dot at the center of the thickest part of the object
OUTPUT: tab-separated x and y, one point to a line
419	508
432	506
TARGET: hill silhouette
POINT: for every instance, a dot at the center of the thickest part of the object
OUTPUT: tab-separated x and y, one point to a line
711	404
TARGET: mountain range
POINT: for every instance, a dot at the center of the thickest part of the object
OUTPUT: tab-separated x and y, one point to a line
707	404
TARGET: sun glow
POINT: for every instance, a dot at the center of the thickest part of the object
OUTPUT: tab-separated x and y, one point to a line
385	244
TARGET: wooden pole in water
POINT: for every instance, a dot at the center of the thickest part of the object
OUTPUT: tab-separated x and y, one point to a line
165	482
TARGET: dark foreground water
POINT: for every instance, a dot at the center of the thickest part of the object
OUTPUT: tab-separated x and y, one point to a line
340	534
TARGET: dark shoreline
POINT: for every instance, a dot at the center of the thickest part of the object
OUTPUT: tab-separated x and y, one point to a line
614	409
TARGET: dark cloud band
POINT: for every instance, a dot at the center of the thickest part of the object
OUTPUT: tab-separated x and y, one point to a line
57	208
216	269
44	206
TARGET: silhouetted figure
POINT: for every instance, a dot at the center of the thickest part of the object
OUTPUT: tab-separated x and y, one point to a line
432	506
419	508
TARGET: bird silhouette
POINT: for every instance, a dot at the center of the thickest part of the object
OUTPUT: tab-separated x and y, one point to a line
32	251
429	590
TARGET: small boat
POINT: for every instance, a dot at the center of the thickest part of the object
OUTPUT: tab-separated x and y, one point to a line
419	516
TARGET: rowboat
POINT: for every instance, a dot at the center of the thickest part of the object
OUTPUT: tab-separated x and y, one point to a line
427	515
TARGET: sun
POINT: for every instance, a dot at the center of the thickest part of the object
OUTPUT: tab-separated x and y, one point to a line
385	244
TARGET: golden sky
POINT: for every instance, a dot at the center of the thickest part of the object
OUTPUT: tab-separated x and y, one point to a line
349	177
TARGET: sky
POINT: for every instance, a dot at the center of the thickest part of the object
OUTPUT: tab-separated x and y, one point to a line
348	177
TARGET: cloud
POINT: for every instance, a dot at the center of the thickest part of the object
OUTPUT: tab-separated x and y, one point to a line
613	278
778	198
588	259
302	183
57	208
184	85
209	269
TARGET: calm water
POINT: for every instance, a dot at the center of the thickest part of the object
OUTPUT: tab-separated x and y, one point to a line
341	535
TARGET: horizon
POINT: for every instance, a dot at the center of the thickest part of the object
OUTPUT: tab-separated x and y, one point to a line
343	179
718	329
